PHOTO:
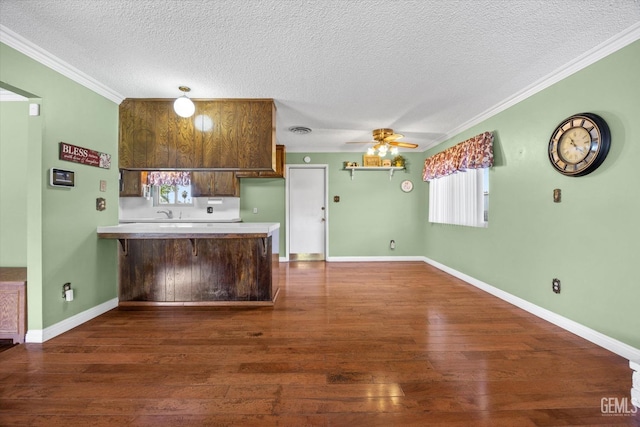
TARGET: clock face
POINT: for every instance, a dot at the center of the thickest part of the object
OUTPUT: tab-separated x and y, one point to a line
579	144
406	186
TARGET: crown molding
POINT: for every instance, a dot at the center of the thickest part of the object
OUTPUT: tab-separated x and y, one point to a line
592	56
40	55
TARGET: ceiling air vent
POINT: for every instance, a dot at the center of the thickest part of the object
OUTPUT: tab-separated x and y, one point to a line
300	130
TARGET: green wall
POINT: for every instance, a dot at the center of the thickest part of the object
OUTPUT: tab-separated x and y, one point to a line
372	210
591	240
61	223
13	175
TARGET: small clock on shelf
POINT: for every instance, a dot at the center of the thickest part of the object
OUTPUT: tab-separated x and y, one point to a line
406	186
579	144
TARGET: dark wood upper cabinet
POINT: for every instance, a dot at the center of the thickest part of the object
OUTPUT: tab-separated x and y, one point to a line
281	157
227	134
214	184
131	183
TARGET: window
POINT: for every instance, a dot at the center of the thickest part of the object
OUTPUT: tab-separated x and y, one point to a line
461	198
171	188
173	194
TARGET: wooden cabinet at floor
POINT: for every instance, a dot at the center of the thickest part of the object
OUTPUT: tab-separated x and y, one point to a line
131	183
218	269
13	305
281	157
233	134
214	184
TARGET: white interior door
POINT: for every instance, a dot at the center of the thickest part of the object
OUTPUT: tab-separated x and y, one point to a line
307	213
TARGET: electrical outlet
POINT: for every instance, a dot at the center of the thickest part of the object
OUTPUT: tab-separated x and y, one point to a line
392	244
555	285
66	287
255	210
209	209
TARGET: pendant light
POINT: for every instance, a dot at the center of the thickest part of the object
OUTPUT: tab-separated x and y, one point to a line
183	106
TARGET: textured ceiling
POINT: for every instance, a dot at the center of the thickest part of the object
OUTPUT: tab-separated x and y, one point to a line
425	68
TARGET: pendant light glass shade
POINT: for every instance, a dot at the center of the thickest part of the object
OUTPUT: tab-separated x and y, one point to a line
183	106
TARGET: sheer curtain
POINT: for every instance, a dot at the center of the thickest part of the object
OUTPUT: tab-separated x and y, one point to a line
458	199
458	182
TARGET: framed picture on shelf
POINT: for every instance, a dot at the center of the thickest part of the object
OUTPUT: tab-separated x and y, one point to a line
369	160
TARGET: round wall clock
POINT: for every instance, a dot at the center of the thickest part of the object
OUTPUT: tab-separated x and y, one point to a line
406	186
579	144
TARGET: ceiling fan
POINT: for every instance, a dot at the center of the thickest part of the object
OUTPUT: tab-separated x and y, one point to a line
385	140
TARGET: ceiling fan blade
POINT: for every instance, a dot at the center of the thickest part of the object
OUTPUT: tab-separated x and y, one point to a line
375	147
403	144
393	137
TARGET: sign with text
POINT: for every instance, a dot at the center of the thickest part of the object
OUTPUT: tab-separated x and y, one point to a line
85	156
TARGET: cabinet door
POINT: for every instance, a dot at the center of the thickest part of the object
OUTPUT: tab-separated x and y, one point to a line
146	141
226	184
278	173
202	184
218	137
130	183
214	184
256	135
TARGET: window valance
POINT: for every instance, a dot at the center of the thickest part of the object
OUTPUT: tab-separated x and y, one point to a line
474	153
169	178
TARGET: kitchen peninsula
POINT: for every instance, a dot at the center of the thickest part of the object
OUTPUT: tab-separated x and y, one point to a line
196	264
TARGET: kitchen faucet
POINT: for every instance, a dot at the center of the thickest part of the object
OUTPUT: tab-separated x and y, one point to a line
168	213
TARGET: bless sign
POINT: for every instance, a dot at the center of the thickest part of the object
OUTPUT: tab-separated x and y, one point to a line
85	156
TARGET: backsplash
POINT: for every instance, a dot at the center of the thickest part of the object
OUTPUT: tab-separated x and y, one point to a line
224	209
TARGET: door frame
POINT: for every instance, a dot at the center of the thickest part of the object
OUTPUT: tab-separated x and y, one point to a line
325	167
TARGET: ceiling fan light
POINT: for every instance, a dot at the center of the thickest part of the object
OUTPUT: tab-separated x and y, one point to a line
394	150
183	106
371	151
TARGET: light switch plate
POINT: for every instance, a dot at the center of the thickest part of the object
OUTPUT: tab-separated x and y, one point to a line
103	185
34	109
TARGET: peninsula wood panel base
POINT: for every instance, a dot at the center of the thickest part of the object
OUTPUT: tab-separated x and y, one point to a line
202	271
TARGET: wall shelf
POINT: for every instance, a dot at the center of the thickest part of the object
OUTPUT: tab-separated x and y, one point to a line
391	169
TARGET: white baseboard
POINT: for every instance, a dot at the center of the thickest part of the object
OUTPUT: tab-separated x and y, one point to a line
373	258
42	335
600	339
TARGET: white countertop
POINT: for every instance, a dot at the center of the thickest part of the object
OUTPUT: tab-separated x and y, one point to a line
192	228
172	220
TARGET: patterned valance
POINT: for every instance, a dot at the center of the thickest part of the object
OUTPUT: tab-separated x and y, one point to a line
169	178
474	153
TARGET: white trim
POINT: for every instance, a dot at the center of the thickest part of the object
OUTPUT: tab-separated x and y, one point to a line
374	258
42	335
35	52
611	344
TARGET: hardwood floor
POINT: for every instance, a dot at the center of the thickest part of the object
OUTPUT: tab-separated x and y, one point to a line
347	344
